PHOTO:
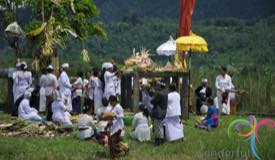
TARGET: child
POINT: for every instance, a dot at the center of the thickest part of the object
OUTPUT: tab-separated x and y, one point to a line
140	126
212	118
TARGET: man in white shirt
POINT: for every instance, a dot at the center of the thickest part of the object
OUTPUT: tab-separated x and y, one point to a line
65	86
224	86
109	76
51	85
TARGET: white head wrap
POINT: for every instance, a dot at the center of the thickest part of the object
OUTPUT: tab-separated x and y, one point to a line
26	66
18	65
65	65
107	65
204	80
28	92
50	67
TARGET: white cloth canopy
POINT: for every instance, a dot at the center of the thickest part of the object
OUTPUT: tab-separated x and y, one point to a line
168	48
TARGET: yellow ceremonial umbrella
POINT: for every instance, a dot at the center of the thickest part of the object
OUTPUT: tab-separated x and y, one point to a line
192	43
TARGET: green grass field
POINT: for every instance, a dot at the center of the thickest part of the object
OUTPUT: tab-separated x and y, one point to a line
197	145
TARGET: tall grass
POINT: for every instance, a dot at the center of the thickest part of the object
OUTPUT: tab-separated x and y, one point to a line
259	85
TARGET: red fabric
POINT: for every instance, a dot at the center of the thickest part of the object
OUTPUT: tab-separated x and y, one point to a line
186	12
185	15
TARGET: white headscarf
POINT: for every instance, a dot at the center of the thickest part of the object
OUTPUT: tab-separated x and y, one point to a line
65	65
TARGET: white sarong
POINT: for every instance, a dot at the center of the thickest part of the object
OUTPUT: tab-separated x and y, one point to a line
173	128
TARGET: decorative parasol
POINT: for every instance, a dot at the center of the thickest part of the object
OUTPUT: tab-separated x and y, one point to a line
168	48
192	43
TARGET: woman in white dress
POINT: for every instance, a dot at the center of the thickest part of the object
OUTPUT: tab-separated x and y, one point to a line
25	111
61	115
173	126
42	92
23	81
140	125
98	93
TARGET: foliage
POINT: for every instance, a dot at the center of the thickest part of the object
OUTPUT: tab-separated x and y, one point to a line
115	10
66	20
198	144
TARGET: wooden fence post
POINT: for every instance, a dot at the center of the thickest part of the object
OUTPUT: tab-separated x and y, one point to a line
185	98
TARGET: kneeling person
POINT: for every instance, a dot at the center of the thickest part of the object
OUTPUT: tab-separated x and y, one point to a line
61	115
212	118
26	111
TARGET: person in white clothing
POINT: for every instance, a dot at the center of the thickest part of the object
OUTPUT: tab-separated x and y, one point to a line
109	76
25	111
140	125
42	92
50	86
23	81
98	93
173	125
65	86
86	127
117	110
224	86
14	86
77	93
61	115
86	105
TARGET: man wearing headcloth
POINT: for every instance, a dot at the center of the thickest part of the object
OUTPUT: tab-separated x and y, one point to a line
203	92
65	86
109	81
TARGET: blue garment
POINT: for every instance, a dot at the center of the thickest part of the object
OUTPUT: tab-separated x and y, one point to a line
212	118
76	103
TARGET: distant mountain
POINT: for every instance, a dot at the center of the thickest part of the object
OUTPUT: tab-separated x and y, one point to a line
113	10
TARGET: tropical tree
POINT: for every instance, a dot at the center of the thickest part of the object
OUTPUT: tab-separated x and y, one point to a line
51	24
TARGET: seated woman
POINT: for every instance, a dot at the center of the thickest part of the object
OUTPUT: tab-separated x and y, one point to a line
86	127
212	118
140	126
61	115
25	111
